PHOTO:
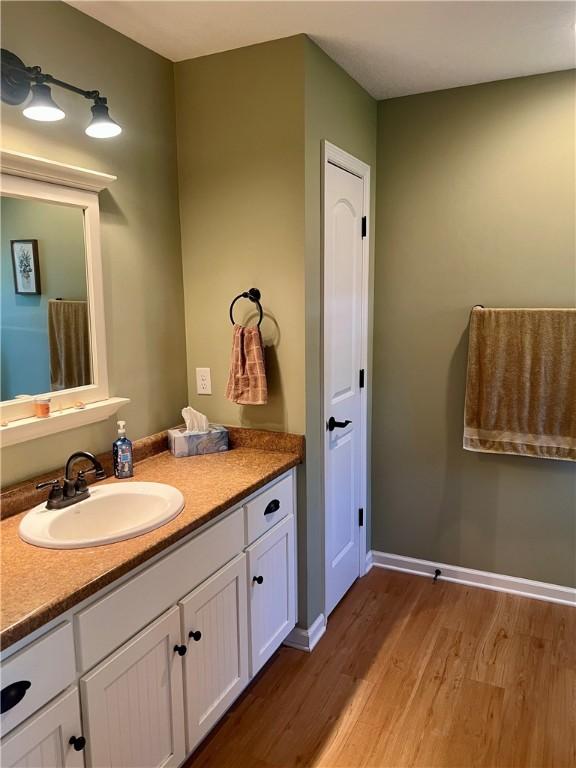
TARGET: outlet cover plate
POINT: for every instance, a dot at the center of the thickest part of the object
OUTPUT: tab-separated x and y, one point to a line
203	381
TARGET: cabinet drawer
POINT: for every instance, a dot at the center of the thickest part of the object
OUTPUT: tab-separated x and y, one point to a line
269	508
106	625
36	674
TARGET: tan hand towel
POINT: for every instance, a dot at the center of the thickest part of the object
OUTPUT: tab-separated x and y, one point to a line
521	383
247	378
69	339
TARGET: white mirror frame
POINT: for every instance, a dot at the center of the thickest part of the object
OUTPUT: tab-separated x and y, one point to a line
25	176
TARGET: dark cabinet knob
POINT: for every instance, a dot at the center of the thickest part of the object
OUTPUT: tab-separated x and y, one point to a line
274	506
180	650
195	635
258	579
12	694
78	742
332	424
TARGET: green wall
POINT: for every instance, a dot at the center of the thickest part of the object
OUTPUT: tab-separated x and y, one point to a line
340	111
139	213
475	205
24	346
240	117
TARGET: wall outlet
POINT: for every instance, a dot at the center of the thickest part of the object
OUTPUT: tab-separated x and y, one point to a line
203	381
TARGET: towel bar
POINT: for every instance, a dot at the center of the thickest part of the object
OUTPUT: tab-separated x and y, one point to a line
254	295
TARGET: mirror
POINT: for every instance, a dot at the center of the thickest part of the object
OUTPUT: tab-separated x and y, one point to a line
54	373
44	316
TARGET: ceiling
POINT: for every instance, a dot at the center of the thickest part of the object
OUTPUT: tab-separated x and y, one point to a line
391	48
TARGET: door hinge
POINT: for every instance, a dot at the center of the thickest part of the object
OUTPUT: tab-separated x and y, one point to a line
361	378
361	517
364	225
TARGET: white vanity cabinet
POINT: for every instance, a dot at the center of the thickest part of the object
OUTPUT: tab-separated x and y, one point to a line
215	626
44	739
132	701
161	656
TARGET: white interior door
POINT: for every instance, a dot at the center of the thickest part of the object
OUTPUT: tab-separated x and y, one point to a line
343	330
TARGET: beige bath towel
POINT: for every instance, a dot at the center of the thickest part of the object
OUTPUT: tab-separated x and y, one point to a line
521	384
69	338
247	378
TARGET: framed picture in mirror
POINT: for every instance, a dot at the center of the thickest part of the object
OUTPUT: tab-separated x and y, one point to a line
26	266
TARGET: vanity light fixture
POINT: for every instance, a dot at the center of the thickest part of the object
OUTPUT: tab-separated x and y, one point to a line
19	82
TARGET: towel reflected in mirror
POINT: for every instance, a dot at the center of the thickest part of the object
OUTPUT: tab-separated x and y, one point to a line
69	339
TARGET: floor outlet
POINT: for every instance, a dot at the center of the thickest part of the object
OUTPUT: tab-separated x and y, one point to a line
203	381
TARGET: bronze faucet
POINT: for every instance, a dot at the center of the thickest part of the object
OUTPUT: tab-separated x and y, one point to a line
72	490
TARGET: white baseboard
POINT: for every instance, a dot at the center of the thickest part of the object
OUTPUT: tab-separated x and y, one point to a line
539	590
307	639
369	560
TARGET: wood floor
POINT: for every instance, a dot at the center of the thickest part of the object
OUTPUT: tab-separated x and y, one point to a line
412	673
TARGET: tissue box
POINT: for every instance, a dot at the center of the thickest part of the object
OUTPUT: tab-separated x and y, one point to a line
183	443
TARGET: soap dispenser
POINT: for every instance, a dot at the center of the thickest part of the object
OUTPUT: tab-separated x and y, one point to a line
122	454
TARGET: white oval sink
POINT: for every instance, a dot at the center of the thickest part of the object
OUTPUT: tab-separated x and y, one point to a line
112	513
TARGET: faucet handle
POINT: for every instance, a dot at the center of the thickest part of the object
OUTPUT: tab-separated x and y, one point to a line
81	485
56	490
48	484
98	473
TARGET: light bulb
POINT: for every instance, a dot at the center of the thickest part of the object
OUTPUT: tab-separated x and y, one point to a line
102	126
42	106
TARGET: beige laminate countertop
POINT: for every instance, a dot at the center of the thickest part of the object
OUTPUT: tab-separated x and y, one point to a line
39	584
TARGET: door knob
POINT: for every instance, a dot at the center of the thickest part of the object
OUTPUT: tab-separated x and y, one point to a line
195	635
180	650
258	579
332	424
78	742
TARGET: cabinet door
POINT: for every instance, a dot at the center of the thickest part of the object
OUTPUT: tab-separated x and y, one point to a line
215	626
271	590
44	740
132	702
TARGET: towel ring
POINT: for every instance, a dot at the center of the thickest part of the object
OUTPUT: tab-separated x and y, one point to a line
254	295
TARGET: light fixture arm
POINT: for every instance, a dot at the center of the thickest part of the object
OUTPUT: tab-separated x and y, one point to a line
17	79
43	77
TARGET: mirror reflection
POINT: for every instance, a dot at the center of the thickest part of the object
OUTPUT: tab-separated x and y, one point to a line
44	317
